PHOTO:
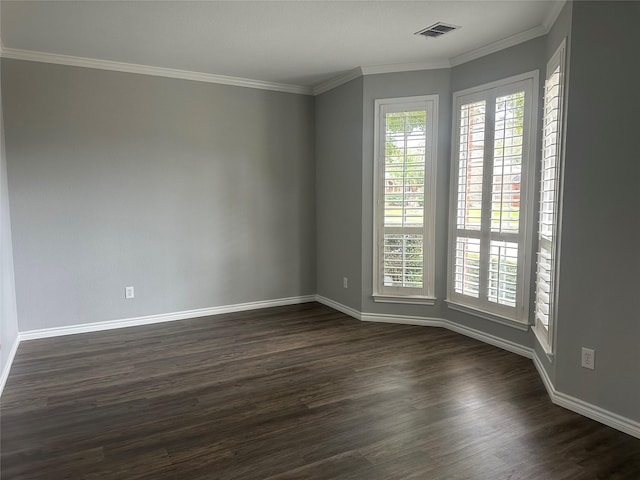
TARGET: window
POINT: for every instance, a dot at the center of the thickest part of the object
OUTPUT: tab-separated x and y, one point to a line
550	185
404	199
490	238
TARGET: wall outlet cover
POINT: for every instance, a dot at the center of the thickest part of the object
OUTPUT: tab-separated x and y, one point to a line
588	358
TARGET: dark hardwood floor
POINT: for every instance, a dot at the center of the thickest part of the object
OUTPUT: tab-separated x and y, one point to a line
297	392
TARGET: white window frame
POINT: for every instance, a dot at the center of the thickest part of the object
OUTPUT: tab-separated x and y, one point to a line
546	336
388	294
518	316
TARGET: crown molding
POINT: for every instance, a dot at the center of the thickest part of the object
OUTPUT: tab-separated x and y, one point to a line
337	81
375	70
557	7
318	89
499	45
404	67
453	61
45	57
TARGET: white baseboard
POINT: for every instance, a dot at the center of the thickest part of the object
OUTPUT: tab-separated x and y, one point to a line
429	322
338	306
404	319
7	366
491	339
454	327
586	409
581	407
163	317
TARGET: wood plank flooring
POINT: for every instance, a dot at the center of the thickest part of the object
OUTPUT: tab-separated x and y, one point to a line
297	392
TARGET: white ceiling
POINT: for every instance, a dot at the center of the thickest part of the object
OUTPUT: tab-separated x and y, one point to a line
300	43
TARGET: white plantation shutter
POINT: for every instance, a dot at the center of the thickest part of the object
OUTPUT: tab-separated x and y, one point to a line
404	197
548	222
470	176
489	238
467	266
470	172
506	185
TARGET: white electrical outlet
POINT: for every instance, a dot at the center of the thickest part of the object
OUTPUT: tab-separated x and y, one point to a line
128	292
588	358
345	282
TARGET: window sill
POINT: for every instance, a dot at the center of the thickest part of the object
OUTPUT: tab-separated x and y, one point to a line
541	336
509	322
409	299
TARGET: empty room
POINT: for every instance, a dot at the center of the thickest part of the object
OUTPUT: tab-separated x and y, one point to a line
319	240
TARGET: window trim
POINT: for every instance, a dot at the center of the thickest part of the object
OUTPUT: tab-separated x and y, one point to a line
519	316
395	294
546	336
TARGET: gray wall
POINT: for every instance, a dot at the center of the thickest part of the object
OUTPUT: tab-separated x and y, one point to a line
339	192
521	58
405	84
8	313
599	279
197	194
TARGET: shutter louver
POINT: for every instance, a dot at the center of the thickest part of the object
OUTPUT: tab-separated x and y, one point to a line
471	165
549	199
467	266
507	163
404	198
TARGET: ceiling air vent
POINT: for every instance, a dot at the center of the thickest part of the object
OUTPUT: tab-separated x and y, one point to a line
436	30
